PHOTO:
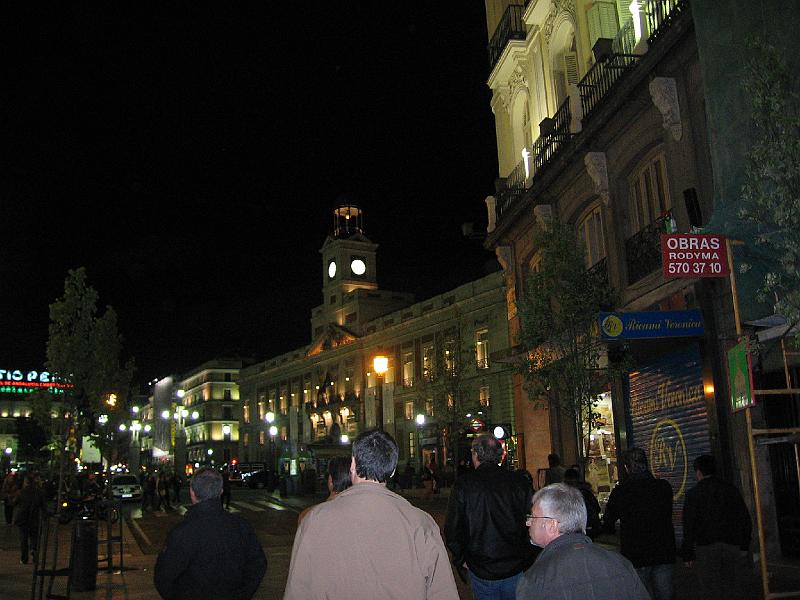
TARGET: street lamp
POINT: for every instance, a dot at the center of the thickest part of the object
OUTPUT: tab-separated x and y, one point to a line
420	422
380	364
273	431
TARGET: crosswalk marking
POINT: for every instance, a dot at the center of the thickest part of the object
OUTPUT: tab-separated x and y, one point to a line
273	506
247	505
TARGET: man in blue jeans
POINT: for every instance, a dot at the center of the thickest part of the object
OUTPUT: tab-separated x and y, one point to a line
643	505
485	528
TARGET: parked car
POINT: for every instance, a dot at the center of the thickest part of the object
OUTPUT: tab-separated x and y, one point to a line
125	487
258	480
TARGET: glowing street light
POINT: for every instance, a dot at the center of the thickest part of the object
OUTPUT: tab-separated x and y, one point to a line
226	430
195	415
420	419
380	365
270	417
165	414
345	438
122	427
273	431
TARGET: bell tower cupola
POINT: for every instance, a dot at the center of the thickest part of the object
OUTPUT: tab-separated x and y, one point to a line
348	257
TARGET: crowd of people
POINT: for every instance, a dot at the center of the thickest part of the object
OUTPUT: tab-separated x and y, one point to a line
500	536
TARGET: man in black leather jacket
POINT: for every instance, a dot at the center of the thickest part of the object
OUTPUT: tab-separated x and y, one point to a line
211	554
485	528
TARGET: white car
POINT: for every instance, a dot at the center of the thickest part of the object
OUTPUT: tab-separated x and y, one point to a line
126	487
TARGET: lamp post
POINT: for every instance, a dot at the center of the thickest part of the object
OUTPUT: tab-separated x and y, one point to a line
273	431
380	364
420	423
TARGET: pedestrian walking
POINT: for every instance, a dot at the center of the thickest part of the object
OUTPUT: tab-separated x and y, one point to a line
369	542
211	554
28	505
570	566
642	504
593	524
338	481
176	488
555	471
226	489
9	493
716	533
162	489
485	526
149	493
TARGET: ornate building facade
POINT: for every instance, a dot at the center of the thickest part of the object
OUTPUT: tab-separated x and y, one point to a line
441	381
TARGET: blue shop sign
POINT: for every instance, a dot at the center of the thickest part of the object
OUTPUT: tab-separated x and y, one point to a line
655	324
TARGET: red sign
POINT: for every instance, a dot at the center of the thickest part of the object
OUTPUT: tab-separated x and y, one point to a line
693	255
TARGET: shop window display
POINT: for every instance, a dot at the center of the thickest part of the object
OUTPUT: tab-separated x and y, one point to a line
601	459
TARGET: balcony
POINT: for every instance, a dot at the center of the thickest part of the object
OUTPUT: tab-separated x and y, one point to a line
511	27
660	15
601	78
555	133
595	89
598	271
643	250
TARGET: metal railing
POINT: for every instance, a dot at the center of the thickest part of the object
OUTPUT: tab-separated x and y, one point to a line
625	40
598	271
601	78
643	249
541	152
660	14
510	27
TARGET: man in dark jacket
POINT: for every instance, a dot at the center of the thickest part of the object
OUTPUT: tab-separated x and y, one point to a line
571	567
485	526
28	506
716	532
643	506
211	554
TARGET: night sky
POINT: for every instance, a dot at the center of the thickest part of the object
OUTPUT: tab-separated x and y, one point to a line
191	159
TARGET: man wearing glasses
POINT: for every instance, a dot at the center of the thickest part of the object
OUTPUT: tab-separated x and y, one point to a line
485	523
570	567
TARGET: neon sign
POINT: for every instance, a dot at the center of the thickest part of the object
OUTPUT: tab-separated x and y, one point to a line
21	382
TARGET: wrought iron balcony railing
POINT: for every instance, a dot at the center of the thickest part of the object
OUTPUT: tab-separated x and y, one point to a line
510	27
598	271
601	78
660	14
555	132
643	249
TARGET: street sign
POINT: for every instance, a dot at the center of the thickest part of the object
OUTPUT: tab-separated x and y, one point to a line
740	377
687	255
653	324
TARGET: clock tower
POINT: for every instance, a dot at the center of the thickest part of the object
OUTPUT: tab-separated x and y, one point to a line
350	294
348	257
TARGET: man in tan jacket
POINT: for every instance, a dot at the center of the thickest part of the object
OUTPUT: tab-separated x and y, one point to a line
369	542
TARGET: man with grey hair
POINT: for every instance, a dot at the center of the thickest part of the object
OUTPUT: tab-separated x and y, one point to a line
211	554
570	566
485	526
368	542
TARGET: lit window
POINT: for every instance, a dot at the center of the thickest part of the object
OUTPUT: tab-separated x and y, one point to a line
427	362
649	193
409	406
482	348
246	413
412	445
484	395
590	231
261	411
408	368
262	437
429	407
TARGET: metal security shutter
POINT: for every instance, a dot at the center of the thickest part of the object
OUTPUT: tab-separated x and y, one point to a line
669	421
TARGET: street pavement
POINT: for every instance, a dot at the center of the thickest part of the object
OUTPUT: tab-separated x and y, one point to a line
275	522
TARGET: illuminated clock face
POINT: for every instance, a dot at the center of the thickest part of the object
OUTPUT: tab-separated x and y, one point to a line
358	267
332	269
